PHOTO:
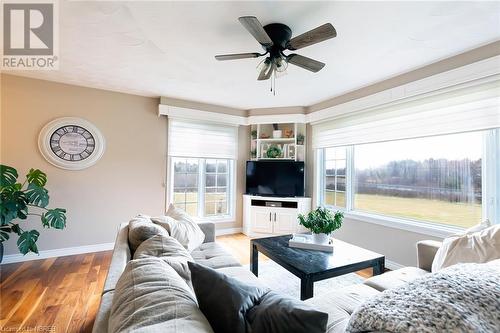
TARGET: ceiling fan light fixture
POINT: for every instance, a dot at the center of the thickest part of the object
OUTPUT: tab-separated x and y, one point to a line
276	38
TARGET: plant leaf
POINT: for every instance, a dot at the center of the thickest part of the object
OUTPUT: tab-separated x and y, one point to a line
37	177
8	176
17	229
13	204
27	242
4	233
37	195
56	218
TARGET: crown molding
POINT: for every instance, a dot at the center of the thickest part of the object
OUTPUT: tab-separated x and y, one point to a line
476	73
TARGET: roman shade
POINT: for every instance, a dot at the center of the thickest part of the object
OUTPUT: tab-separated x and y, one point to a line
466	109
201	140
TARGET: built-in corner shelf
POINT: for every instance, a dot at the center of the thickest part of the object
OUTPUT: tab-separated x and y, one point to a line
289	138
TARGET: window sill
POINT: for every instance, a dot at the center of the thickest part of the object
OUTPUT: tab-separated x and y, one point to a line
222	219
421	227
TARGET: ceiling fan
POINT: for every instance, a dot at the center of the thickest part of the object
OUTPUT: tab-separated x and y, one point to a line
276	38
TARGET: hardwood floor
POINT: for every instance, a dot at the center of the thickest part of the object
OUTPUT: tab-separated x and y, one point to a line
63	294
52	295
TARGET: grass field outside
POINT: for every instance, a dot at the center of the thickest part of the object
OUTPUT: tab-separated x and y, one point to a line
437	211
215	203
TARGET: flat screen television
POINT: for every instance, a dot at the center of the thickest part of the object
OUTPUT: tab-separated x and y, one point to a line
275	178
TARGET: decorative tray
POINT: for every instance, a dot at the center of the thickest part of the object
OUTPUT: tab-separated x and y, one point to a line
304	241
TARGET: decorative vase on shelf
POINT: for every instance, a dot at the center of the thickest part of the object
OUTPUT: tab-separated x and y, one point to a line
321	238
277	134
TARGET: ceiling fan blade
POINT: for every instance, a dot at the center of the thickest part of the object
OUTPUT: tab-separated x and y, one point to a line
266	72
237	56
305	62
252	24
319	34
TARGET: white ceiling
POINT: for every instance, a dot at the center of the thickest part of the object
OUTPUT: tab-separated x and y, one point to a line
168	48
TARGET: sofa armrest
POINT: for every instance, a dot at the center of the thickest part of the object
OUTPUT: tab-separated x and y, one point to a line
426	250
208	229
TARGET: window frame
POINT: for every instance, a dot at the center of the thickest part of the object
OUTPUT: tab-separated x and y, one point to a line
231	190
490	166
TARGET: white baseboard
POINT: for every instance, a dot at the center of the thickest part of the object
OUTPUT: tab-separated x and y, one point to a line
228	231
12	258
392	265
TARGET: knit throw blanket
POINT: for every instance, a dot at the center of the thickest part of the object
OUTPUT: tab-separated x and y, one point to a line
460	298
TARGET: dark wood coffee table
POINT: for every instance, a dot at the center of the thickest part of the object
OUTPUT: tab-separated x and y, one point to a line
311	266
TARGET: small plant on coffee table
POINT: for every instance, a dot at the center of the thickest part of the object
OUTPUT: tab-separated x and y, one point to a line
322	220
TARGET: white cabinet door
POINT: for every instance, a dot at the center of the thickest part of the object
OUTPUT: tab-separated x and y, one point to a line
285	221
261	220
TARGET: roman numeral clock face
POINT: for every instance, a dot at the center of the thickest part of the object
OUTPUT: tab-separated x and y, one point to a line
71	143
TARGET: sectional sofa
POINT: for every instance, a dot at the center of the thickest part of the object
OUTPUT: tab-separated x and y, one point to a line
339	304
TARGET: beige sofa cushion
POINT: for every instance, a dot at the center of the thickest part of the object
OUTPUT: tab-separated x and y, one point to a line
340	304
151	297
214	256
182	227
395	278
141	228
476	247
170	251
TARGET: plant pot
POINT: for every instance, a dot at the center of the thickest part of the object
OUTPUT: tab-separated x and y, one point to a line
321	238
277	134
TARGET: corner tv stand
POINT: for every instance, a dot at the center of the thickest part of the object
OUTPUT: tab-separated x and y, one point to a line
273	215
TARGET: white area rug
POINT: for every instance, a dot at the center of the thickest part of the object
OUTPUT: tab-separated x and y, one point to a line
280	280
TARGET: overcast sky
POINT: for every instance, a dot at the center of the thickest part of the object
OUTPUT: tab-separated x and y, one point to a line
451	147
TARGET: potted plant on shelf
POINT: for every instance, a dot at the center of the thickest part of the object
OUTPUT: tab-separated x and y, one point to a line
321	222
253	153
277	133
254	134
20	200
273	151
300	139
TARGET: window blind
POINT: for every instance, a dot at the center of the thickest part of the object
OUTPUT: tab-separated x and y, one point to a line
202	140
466	109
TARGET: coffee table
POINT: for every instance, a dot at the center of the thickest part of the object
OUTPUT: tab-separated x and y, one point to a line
311	266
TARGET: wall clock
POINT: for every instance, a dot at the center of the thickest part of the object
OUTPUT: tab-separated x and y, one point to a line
71	143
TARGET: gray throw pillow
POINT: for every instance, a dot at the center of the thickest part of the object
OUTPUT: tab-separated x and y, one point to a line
170	251
231	306
278	314
150	297
141	228
223	300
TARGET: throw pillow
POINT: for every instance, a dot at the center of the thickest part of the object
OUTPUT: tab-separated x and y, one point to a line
222	299
170	251
141	228
278	314
151	297
477	247
231	305
182	227
478	227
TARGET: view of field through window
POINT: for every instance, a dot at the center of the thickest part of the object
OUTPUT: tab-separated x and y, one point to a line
190	175
435	179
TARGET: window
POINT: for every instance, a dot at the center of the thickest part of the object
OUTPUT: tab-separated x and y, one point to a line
216	180
202	187
185	185
435	179
335	176
201	173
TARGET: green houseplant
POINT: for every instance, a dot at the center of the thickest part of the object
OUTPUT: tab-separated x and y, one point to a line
300	139
273	152
321	222
20	200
